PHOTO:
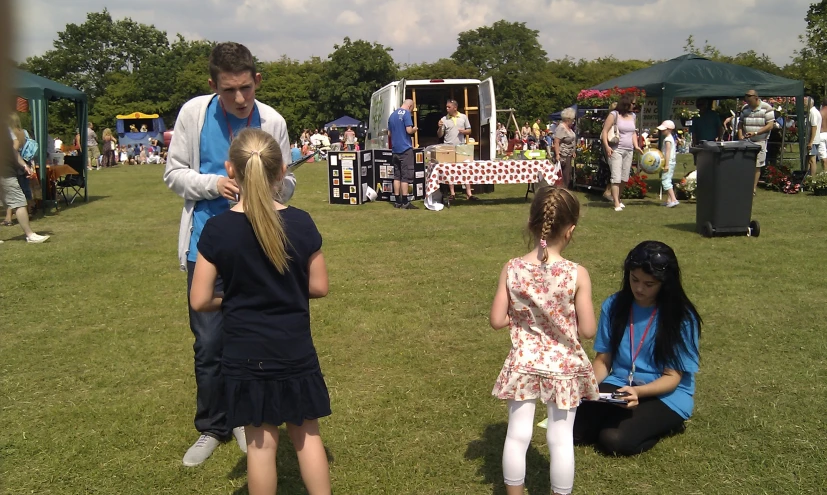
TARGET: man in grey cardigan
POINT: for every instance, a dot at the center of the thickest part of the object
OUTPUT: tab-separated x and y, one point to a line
195	171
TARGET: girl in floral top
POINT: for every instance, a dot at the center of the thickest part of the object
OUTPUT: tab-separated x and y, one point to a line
546	301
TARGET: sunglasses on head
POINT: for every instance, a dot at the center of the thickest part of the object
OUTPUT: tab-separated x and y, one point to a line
656	261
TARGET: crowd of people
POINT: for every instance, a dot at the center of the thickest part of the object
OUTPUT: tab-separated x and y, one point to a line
112	154
253	264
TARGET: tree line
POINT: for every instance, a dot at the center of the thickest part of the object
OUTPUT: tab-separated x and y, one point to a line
125	67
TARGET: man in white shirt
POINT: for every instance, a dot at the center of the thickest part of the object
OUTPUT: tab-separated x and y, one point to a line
814	134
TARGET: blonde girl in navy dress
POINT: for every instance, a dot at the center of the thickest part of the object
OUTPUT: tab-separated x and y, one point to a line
270	261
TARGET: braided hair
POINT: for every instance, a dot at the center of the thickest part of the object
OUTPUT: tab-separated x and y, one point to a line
552	212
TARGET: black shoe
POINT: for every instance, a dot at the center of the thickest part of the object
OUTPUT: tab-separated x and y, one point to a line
409	206
397	205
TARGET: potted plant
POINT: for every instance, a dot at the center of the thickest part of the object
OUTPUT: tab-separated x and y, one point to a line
636	187
817	183
686	188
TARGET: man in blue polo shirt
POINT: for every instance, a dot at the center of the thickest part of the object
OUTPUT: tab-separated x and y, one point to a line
400	129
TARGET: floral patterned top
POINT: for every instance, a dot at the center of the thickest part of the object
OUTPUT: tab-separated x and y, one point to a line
543	321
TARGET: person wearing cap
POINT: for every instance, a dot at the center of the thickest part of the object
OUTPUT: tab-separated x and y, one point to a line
757	120
670	156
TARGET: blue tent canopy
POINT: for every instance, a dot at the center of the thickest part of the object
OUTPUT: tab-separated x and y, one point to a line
343	121
557	116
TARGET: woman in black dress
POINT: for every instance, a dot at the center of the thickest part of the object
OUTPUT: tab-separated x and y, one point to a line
268	257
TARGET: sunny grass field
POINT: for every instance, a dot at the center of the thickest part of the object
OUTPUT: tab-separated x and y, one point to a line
96	382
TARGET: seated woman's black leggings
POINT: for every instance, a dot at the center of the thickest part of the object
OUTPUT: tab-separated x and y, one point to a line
619	431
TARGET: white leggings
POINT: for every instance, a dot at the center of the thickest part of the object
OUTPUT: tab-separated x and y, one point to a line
560	444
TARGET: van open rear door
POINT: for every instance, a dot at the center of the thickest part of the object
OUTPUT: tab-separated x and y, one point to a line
488	116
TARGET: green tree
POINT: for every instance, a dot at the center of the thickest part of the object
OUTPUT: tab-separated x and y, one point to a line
810	62
444	68
292	88
750	58
84	55
355	70
507	51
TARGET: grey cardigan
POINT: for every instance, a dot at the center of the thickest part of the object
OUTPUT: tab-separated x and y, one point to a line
184	161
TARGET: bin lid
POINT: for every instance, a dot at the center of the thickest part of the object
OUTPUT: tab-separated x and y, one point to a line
719	147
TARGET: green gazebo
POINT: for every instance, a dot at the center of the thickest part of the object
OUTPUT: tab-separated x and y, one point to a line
39	91
691	76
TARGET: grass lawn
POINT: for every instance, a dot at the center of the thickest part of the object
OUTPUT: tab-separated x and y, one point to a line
97	393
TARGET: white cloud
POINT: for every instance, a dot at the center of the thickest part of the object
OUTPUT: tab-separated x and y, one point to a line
427	29
348	18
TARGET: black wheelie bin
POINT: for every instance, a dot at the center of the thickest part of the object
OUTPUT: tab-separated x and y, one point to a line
725	175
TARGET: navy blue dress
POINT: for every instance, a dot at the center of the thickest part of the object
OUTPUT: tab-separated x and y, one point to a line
270	366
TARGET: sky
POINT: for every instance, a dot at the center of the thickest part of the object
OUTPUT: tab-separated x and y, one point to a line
426	30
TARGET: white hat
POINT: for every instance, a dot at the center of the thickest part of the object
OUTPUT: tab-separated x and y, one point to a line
667	124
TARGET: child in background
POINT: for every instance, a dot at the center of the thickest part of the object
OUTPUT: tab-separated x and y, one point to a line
270	262
669	150
647	346
546	301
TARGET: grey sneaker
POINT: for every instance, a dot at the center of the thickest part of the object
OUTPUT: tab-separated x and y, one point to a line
240	438
200	450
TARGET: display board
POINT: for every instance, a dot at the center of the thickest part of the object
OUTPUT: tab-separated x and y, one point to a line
350	173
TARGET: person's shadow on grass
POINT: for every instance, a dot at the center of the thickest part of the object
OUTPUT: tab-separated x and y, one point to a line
289	474
490	449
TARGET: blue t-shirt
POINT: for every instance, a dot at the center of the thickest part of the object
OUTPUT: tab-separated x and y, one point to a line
295	154
214	148
398	123
679	400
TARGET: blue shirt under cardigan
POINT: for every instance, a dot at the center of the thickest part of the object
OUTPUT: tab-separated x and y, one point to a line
215	150
681	400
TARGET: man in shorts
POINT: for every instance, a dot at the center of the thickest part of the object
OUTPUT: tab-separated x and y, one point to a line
757	120
11	195
400	129
813	132
92	148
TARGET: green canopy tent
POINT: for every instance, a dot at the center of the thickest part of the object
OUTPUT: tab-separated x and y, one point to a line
691	76
39	91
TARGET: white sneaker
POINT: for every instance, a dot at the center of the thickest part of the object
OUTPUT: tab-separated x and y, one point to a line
37	238
622	205
618	208
673	204
240	438
200	450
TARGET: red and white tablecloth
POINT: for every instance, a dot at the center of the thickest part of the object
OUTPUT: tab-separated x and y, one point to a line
488	172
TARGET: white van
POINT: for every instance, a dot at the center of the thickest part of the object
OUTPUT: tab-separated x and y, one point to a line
474	97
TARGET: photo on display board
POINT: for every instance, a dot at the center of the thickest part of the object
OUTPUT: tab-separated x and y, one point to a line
353	201
346	196
420	175
335	173
335	193
352	189
420	157
387	187
335	182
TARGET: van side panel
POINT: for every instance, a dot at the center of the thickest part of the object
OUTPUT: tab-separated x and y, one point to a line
382	103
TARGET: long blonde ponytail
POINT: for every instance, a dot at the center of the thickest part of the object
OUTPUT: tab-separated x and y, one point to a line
258	164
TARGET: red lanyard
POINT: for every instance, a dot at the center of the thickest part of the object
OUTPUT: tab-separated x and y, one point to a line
227	119
634	355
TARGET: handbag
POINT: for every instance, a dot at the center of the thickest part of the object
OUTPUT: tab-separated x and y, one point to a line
614	134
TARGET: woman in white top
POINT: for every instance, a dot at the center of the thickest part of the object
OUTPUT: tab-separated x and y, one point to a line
620	153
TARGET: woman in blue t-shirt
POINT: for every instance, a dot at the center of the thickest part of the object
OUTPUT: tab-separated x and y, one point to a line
647	354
